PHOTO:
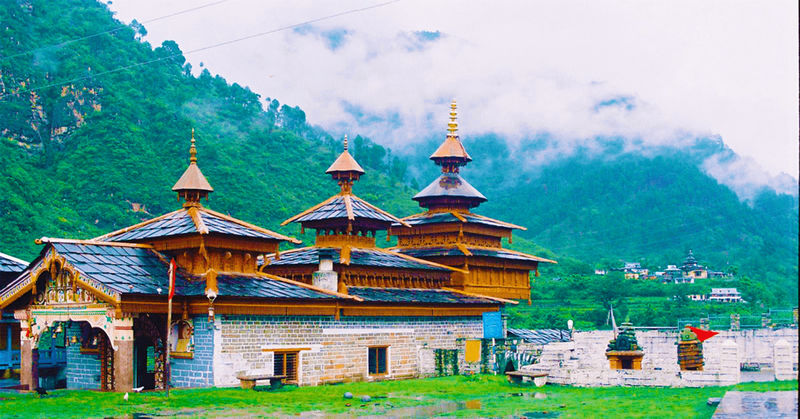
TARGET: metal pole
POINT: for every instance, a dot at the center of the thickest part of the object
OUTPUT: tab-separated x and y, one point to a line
167	369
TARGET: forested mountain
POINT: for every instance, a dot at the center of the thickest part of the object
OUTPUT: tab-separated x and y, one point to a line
608	206
94	128
82	141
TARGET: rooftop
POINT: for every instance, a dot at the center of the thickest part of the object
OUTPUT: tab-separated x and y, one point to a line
416	295
125	269
374	257
10	264
192	220
462	250
455	217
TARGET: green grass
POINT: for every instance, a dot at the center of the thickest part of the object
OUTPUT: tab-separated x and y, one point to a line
481	395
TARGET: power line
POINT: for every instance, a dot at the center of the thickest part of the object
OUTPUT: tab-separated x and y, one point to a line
208	47
118	28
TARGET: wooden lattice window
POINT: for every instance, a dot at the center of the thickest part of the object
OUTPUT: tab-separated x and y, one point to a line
377	360
286	364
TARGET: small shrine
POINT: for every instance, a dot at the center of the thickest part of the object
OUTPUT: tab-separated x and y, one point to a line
690	350
624	352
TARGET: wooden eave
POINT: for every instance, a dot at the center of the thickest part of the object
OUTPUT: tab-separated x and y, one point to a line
450	227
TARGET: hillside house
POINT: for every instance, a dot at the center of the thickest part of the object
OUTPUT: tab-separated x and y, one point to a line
725	295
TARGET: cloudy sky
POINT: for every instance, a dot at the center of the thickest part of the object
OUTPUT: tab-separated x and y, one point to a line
657	72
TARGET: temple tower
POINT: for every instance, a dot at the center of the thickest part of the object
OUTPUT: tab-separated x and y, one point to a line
450	234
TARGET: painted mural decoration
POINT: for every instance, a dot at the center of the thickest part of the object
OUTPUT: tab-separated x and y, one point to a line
61	287
182	339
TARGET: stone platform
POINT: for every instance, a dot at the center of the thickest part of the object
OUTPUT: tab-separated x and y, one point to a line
752	404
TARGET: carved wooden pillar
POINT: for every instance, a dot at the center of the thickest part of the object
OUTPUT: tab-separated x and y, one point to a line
123	365
29	365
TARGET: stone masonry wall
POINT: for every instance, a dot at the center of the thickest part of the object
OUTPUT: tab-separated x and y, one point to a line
83	370
582	362
336	350
198	371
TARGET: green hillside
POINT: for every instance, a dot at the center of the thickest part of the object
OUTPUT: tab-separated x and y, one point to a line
606	206
75	156
87	131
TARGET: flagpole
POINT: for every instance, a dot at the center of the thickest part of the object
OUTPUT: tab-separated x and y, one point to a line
167	368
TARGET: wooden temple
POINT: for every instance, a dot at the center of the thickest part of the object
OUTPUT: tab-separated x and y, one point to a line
344	256
103	301
449	233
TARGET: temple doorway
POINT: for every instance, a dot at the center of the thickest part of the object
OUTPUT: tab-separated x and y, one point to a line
149	352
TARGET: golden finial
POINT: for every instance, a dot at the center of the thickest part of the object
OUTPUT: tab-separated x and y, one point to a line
192	151
452	126
345	142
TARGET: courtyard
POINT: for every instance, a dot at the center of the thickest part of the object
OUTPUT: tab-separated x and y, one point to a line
461	396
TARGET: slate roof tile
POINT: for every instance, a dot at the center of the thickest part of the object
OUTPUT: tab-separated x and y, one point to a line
139	270
415	295
358	256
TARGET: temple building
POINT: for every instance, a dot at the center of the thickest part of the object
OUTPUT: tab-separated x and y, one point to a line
449	233
692	269
340	310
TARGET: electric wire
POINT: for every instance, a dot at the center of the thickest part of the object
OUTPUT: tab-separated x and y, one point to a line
208	47
118	28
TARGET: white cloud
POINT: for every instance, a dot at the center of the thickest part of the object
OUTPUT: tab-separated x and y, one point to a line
519	68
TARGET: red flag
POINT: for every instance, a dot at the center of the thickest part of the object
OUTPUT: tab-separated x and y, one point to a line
702	334
172	268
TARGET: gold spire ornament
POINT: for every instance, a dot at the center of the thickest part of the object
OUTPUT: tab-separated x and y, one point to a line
192	151
452	127
451	154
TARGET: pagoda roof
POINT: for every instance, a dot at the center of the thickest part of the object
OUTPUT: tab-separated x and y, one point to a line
450	185
455	217
418	295
344	206
192	220
451	148
10	264
373	257
464	250
118	269
192	179
345	163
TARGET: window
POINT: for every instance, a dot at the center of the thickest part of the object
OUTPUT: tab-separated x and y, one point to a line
286	364
377	360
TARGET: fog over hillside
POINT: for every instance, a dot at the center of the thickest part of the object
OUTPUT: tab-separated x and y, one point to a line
650	74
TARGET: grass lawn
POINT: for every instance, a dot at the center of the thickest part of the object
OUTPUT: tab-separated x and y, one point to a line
481	395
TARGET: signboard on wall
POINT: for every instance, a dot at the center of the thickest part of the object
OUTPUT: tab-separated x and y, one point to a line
493	325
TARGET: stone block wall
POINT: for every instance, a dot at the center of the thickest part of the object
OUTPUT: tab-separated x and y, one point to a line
583	362
337	350
198	371
83	370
